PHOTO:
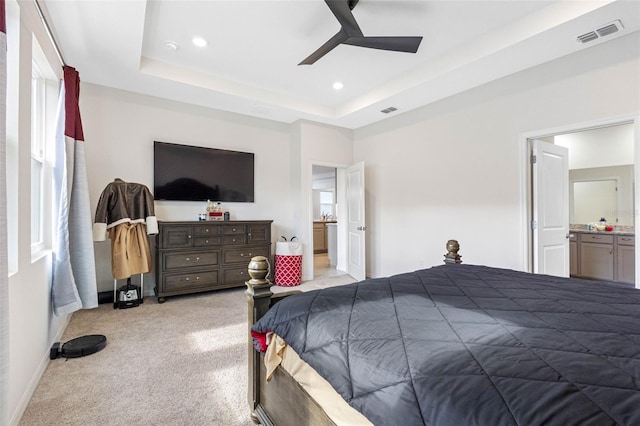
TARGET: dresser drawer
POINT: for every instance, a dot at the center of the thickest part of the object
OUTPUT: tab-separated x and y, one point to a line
234	240
234	229
190	281
235	275
626	240
205	230
195	259
596	238
243	255
207	241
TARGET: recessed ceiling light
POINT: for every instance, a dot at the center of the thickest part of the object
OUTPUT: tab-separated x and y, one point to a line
337	85
199	41
171	45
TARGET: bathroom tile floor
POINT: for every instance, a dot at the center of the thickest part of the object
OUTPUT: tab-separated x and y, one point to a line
321	267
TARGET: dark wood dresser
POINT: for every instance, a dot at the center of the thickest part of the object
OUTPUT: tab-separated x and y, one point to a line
193	257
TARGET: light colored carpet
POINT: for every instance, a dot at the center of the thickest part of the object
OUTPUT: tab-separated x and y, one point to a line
183	362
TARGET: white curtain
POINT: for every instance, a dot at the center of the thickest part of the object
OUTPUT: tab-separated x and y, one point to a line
4	268
74	272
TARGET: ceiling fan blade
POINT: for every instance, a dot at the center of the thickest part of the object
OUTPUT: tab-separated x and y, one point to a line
396	44
333	42
342	11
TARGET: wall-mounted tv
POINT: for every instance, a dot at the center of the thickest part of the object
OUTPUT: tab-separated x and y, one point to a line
193	173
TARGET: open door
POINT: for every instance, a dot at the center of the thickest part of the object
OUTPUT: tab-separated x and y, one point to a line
550	226
356	247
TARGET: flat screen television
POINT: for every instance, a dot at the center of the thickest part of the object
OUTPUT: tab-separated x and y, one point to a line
193	173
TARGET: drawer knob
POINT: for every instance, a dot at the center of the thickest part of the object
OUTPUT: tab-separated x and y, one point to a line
188	236
234	229
206	241
206	230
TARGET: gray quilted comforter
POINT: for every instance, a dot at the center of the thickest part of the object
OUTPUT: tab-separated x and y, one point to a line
472	345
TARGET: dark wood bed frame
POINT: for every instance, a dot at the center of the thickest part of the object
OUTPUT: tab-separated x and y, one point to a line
283	401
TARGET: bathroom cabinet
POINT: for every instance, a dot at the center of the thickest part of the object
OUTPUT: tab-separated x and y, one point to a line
320	240
626	263
596	256
602	256
573	254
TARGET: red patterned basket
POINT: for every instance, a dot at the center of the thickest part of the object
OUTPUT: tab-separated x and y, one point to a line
288	263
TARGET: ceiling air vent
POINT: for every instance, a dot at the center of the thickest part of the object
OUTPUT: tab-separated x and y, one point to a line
388	110
611	28
584	38
605	30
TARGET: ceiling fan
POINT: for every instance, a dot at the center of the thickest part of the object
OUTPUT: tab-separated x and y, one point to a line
350	33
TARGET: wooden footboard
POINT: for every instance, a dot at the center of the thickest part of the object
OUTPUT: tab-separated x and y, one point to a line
284	402
274	405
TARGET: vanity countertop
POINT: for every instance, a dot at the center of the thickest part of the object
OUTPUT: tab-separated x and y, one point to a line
584	231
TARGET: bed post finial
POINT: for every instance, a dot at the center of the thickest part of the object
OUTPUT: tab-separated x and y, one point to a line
452	255
258	300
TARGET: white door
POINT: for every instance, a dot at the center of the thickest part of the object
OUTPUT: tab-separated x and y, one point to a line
550	209
356	247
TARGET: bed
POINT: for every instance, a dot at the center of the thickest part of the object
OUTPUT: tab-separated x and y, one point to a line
450	345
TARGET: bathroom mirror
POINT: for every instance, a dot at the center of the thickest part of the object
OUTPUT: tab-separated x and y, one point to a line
602	192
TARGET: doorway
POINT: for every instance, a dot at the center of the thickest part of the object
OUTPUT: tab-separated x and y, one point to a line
602	157
325	216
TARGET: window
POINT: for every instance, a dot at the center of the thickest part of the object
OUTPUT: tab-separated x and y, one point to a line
44	91
326	204
38	138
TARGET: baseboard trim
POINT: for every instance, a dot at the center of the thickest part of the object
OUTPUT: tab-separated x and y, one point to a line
105	297
35	379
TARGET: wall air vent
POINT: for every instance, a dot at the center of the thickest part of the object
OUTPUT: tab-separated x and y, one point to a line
388	110
603	31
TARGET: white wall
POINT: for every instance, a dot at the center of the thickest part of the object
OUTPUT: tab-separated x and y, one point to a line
120	128
324	146
459	164
608	146
32	325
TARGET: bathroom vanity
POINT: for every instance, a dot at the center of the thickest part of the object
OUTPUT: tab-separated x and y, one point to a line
603	255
